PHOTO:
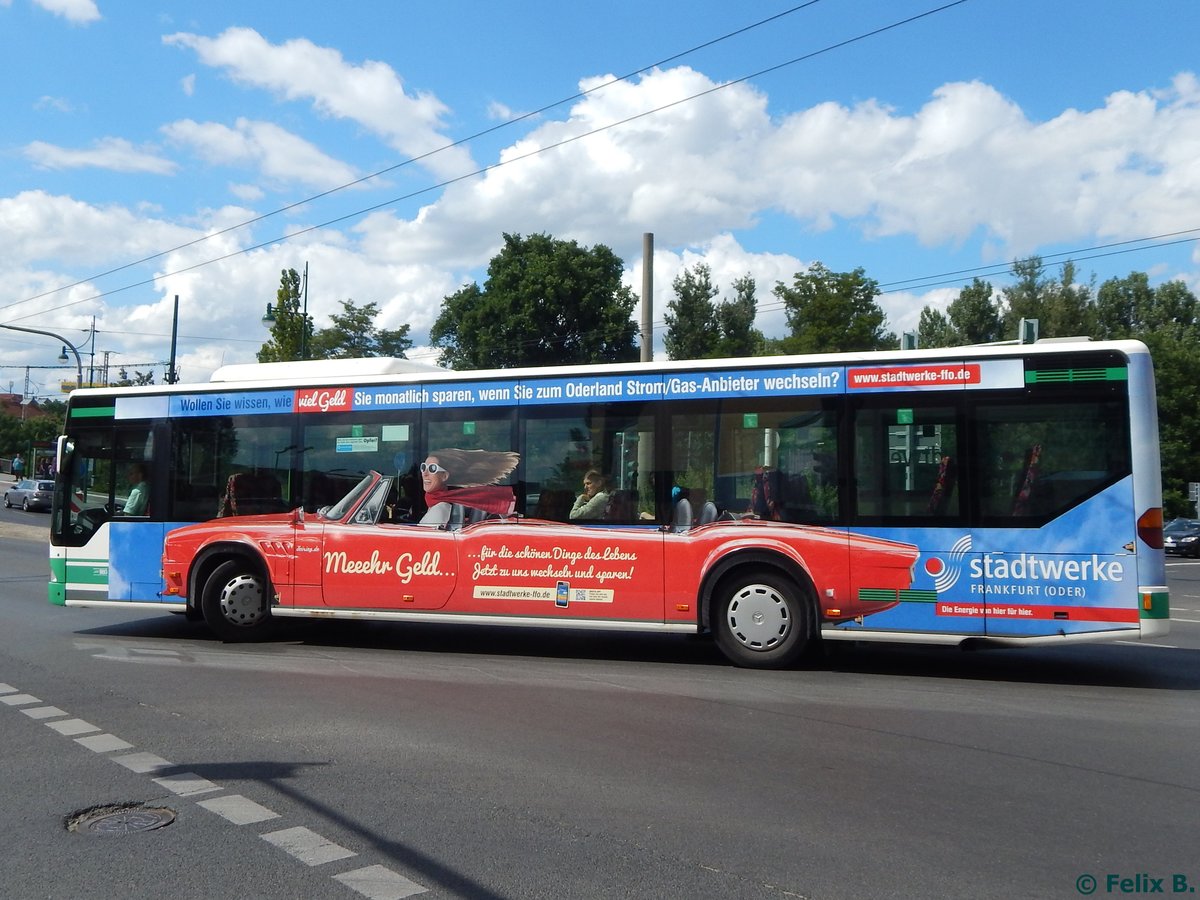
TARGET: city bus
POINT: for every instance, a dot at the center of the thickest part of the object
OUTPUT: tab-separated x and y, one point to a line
1004	494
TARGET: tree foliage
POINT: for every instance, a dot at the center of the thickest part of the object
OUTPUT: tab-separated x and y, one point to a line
292	330
699	327
1062	307
353	335
545	302
692	316
124	379
832	311
1167	319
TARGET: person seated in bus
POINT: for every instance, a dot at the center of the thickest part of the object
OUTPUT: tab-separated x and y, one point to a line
593	502
452	477
138	502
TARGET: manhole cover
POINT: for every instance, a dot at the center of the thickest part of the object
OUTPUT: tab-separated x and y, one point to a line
123	818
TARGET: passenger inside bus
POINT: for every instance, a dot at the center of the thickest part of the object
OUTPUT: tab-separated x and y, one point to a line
593	502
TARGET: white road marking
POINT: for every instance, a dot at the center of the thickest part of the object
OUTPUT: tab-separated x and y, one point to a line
380	883
307	846
6	688
19	699
44	712
142	763
187	784
72	727
238	809
103	743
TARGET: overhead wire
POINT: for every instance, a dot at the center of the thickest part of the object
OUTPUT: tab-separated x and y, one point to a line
406	162
488	168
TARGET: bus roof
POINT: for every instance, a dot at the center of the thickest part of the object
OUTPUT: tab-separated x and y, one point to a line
317	369
382	370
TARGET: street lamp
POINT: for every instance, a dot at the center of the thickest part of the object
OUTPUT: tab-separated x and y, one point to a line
63	354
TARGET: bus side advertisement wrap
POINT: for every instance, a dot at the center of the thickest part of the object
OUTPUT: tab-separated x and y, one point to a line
1005	493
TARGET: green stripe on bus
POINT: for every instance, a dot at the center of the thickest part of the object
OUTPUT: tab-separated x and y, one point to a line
93	412
919	596
886	595
877	595
1070	376
1159	606
84	572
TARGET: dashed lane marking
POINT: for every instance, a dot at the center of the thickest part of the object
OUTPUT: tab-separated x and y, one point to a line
380	883
238	809
307	846
373	882
44	712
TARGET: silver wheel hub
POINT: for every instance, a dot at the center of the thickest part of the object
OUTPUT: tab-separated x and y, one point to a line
758	617
243	601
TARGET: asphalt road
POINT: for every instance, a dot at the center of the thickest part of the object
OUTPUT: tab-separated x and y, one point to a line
349	760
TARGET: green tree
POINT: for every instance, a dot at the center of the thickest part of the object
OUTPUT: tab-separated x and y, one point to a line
292	329
832	311
545	302
692	331
1062	307
698	327
934	329
1167	319
353	335
138	378
975	314
735	321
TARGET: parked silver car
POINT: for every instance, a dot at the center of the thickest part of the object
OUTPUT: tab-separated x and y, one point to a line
29	493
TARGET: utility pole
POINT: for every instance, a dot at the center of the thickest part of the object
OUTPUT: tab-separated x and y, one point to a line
647	296
171	377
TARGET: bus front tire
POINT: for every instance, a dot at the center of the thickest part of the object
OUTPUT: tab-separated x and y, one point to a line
763	620
234	602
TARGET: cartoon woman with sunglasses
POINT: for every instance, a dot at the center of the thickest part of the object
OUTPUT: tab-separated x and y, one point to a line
467	477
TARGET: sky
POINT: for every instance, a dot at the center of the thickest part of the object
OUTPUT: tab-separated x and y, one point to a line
159	149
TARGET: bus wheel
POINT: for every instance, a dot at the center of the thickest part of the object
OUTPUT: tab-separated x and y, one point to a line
234	602
762	620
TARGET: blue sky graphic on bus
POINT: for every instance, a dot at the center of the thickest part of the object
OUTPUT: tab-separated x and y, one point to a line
1078	578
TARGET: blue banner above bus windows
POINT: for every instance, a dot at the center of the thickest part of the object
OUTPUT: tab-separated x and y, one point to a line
764	383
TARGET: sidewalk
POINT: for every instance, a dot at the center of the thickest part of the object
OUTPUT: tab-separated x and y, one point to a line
14	531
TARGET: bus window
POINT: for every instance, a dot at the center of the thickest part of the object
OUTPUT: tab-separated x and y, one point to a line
693	449
473	429
778	463
559	449
562	445
1037	461
906	460
230	465
93	484
338	450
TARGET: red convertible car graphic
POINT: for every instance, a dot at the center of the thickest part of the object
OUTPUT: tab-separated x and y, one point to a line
761	588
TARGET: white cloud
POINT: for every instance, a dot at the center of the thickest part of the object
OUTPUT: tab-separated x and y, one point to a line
77	12
57	104
188	84
283	158
113	154
370	94
967	165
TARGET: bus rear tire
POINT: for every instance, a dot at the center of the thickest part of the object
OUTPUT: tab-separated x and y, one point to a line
762	620
234	602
